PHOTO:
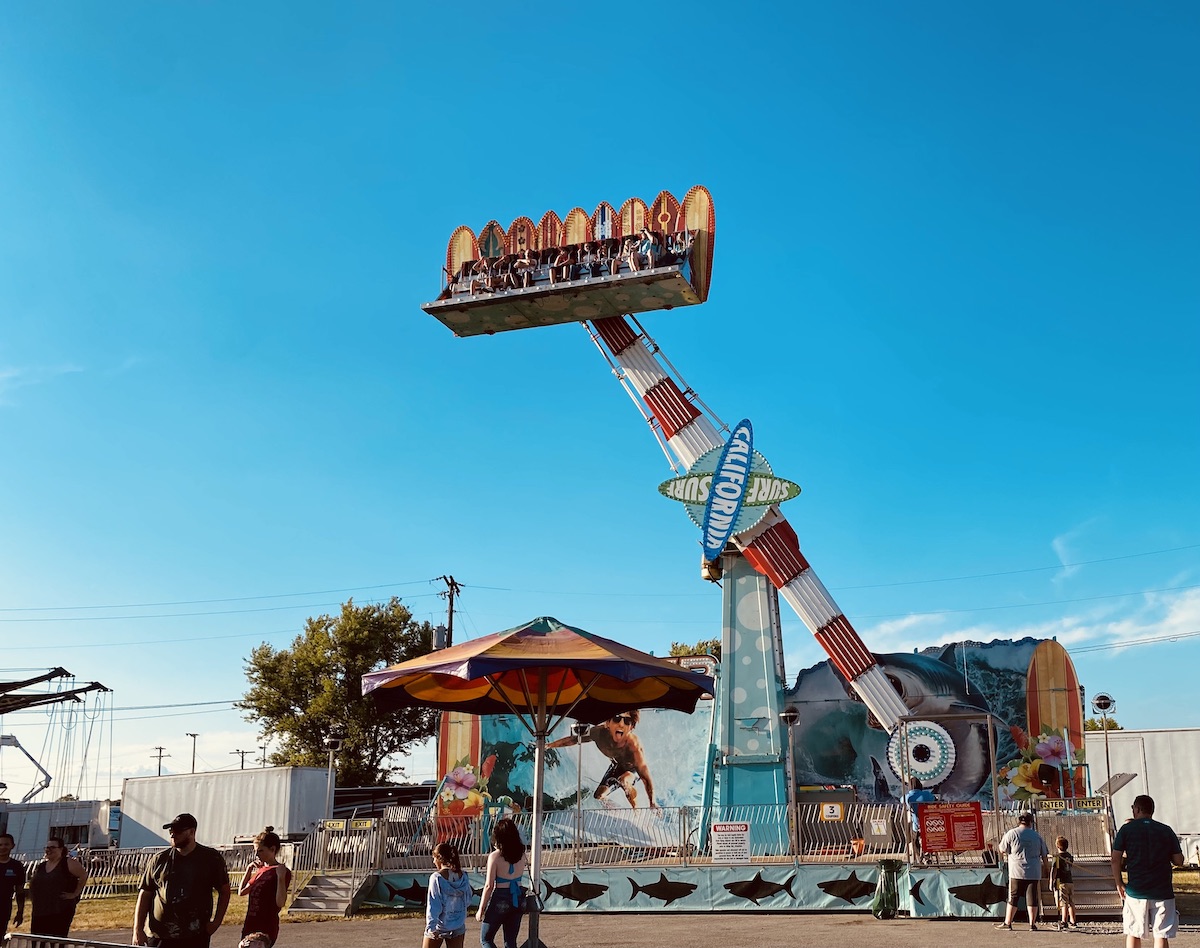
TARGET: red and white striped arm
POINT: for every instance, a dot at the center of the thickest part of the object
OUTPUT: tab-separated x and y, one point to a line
772	546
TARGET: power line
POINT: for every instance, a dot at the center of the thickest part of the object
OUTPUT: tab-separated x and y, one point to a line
182	615
1129	643
201	602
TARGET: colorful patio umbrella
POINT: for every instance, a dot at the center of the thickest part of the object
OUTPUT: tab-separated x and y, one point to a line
542	671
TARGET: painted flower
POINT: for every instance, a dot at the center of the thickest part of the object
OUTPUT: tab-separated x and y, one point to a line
460	781
488	766
1020	737
1008	793
1053	750
1026	777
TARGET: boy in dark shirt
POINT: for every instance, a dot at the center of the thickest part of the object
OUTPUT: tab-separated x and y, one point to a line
1062	883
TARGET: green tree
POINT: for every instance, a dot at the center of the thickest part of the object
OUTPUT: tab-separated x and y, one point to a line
299	695
1097	724
703	647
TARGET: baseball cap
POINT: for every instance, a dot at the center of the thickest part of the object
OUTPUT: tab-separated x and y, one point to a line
1026	818
182	821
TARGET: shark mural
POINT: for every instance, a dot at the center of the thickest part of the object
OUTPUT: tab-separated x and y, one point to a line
839	742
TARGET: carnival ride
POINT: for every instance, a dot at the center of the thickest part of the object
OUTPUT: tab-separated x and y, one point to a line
602	269
15	697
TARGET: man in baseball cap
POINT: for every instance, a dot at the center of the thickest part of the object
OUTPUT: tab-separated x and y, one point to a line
176	891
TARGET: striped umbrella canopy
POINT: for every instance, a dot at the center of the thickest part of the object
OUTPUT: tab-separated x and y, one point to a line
542	665
542	671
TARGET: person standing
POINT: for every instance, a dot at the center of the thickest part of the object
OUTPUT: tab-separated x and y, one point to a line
12	883
916	796
447	900
265	883
1062	884
176	892
1149	849
500	900
55	885
1026	852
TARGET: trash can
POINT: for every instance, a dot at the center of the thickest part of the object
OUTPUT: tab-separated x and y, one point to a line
886	903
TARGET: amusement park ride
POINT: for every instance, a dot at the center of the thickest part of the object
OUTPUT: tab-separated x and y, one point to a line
601	269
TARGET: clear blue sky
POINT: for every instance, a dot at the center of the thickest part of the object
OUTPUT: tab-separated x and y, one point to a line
955	289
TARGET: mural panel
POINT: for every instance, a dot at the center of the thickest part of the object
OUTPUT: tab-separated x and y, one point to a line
1037	756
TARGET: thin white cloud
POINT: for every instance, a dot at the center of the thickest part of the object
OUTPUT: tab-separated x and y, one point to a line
14	377
1062	546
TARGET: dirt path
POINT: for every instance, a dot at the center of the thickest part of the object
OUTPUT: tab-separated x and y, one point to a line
756	930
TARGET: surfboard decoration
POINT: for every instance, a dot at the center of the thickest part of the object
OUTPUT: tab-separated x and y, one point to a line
664	214
578	226
1051	745
458	739
700	219
634	216
522	235
681	274
550	230
604	222
492	239
462	247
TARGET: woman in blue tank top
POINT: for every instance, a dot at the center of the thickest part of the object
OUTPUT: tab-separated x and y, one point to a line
499	902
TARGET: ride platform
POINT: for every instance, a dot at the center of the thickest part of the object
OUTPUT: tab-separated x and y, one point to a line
570	301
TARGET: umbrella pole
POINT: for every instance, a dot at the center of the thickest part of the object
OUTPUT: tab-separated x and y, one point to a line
535	835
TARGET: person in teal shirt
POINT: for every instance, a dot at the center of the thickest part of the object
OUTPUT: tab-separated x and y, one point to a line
1149	850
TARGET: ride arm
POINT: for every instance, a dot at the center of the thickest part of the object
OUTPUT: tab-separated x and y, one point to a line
10	740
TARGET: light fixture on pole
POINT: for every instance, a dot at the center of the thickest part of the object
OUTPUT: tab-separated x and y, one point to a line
193	737
580	731
1104	705
333	743
790	717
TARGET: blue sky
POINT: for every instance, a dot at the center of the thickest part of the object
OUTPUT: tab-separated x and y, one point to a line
955	289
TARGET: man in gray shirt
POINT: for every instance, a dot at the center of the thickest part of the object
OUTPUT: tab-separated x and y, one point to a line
1027	853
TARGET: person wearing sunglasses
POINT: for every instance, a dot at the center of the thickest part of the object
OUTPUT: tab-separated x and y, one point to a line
615	740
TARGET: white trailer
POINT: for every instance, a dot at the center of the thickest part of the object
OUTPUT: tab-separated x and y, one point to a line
229	805
1165	764
80	823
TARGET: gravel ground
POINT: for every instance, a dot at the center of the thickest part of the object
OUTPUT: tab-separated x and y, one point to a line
759	930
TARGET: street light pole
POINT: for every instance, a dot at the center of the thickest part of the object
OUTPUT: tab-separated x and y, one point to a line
579	730
790	718
193	737
1105	705
334	744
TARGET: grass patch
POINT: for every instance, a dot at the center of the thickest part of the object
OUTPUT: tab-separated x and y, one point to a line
116	912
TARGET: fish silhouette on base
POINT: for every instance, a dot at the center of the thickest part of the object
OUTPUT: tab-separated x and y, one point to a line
983	893
414	893
849	889
756	888
578	892
664	889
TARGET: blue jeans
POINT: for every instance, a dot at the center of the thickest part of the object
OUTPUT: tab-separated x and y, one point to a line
500	914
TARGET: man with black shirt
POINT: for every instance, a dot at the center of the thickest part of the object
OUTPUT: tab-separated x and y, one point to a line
12	882
1150	849
176	892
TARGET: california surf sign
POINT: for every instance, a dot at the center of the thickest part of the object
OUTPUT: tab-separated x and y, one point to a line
728	489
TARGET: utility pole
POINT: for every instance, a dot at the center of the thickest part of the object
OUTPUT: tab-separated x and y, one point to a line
452	590
263	748
160	755
193	737
242	754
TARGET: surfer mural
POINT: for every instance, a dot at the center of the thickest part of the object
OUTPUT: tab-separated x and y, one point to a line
1024	685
